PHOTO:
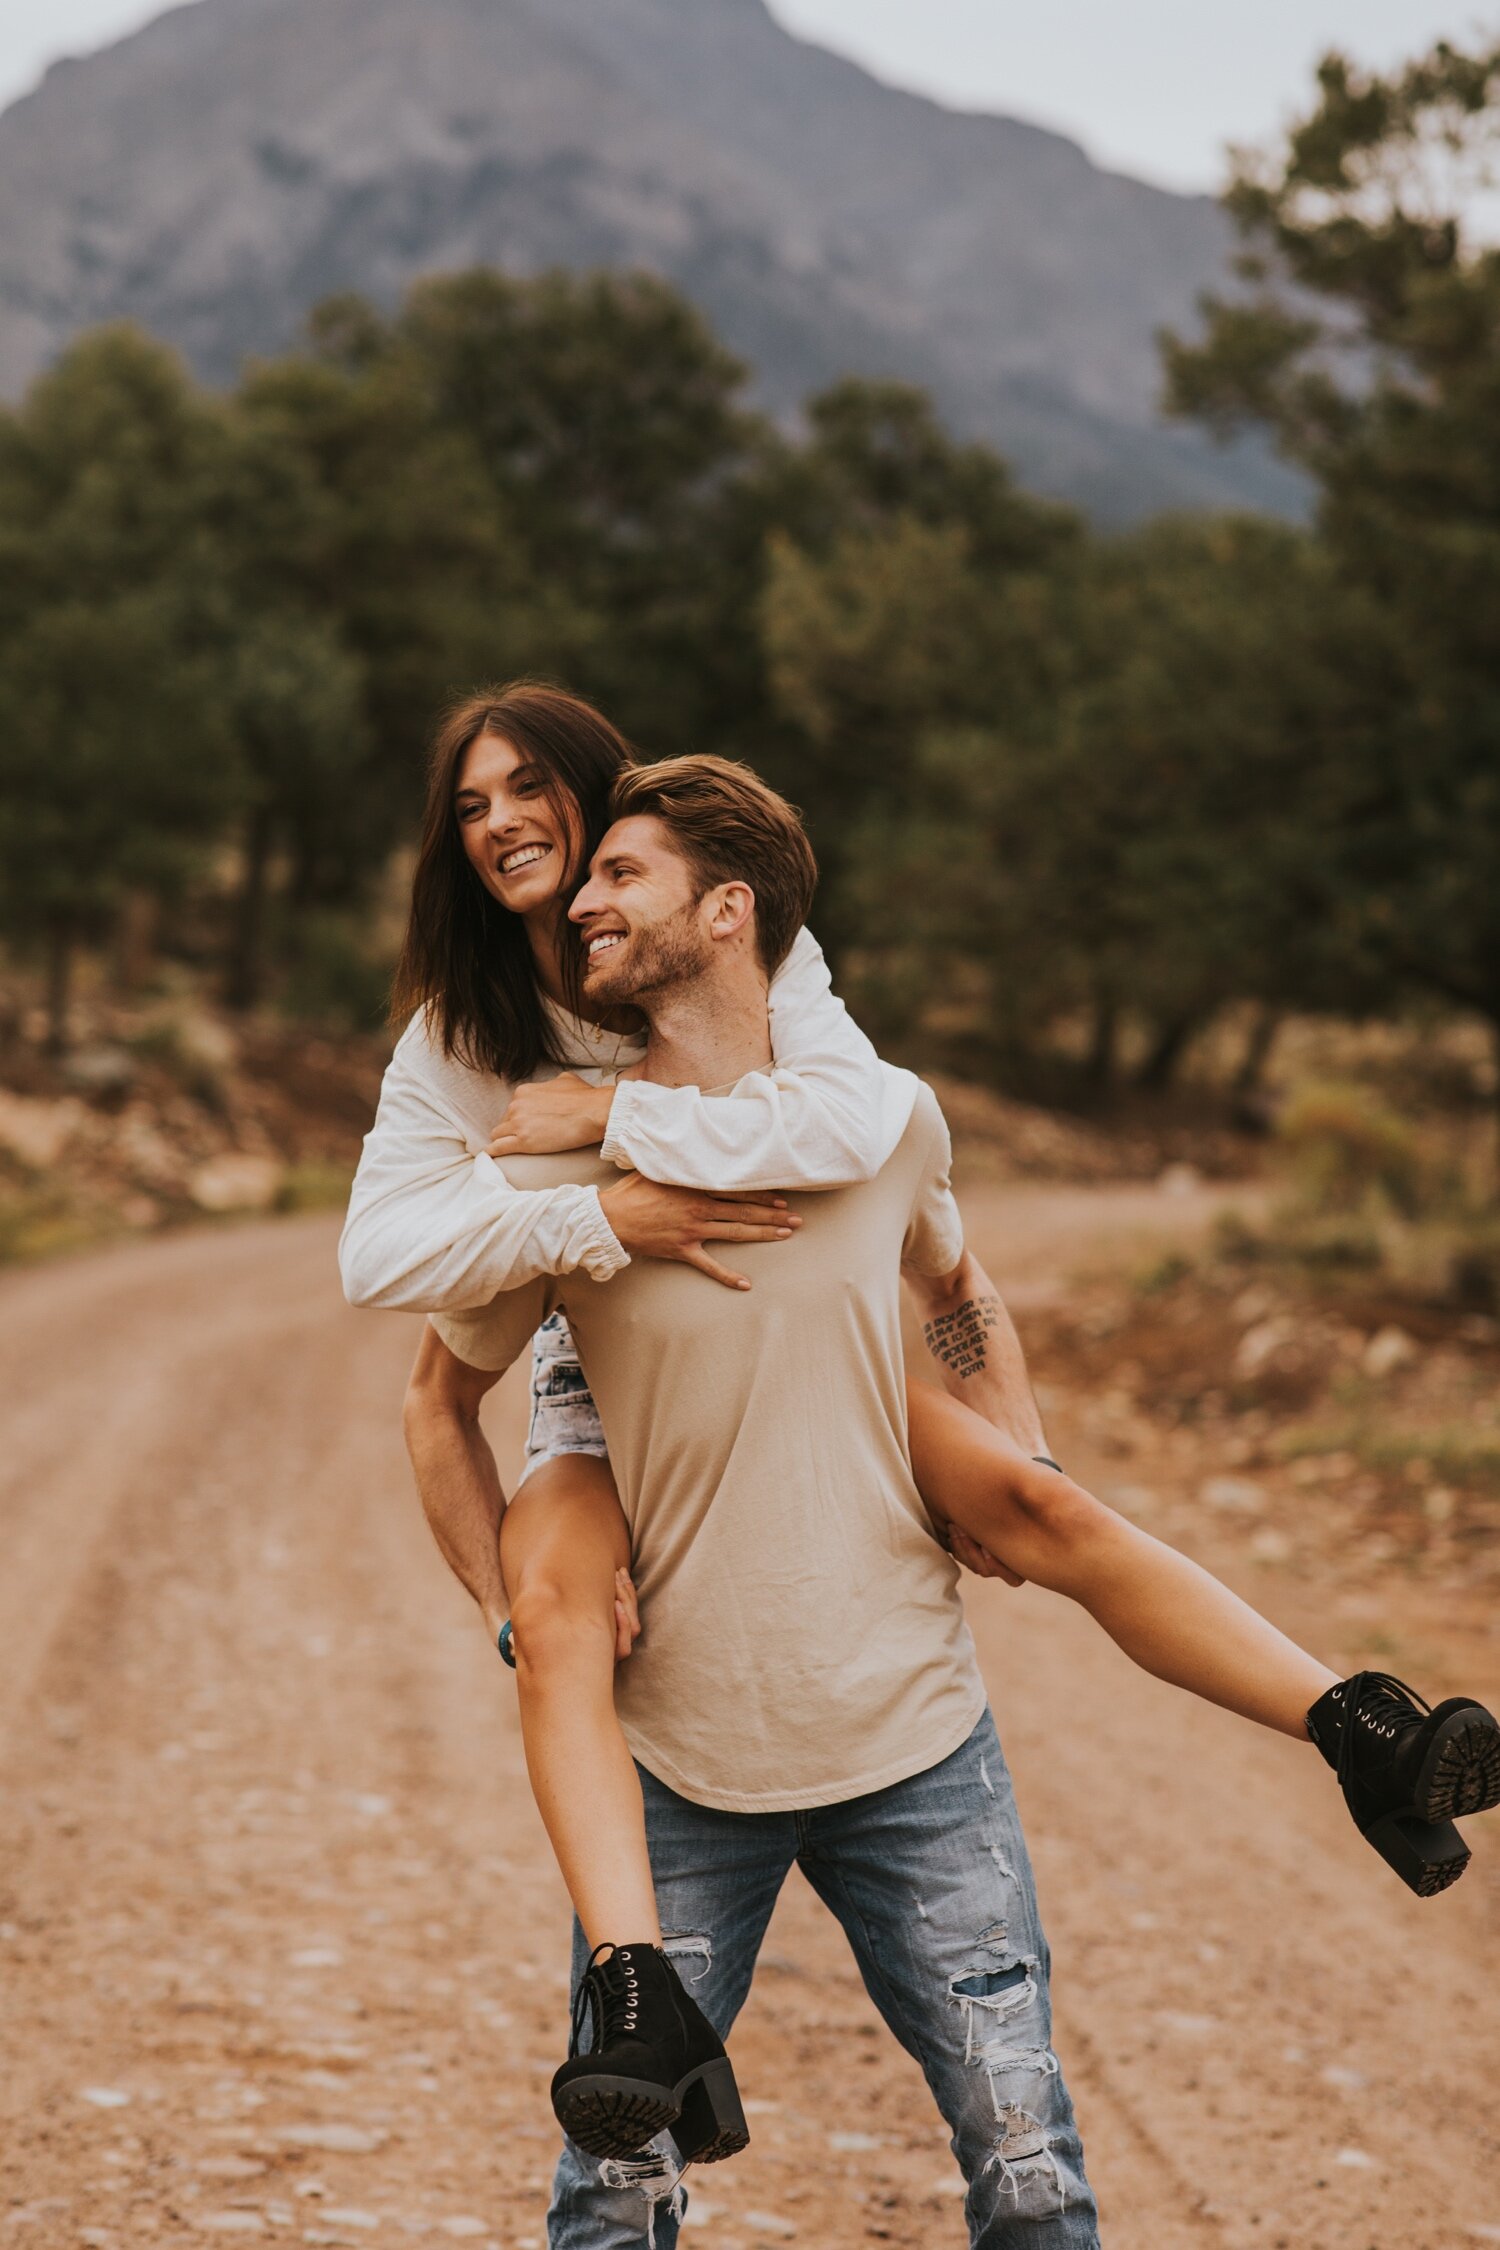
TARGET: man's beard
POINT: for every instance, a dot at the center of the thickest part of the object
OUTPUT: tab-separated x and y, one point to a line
672	951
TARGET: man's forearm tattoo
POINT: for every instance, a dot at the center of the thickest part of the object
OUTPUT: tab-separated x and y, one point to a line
960	1339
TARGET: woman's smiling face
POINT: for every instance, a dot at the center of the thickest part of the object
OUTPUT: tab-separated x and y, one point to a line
519	846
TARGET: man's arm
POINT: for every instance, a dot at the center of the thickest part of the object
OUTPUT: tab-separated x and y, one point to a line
970	1334
455	1470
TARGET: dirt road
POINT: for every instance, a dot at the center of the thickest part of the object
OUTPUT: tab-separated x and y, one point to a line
282	1954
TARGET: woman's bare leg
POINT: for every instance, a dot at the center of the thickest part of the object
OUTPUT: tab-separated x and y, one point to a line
1167	1614
563	1538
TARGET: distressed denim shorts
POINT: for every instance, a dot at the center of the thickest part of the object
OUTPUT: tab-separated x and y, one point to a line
564	1418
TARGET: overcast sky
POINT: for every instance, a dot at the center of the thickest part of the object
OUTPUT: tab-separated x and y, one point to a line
1155	87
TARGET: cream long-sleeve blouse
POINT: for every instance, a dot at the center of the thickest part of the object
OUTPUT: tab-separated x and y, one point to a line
435	1226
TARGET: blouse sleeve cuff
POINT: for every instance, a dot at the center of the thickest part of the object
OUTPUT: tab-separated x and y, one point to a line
603	1255
612	1147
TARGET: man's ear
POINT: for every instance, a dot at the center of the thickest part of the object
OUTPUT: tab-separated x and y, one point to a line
732	905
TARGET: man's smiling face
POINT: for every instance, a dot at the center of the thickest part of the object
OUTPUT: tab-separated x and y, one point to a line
643	917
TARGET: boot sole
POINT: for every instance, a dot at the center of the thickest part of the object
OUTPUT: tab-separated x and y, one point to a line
609	2116
1461	1773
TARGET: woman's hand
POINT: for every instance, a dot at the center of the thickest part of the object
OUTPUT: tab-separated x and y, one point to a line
651	1221
548	1115
627	1615
968	1553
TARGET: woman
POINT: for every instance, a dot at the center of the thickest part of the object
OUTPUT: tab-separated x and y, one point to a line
490	1065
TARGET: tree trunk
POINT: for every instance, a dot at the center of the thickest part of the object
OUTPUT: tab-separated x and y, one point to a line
135	939
1257	1051
1099	1063
1167	1050
247	944
59	982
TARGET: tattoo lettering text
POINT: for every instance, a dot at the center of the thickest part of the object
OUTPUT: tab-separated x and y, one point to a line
960	1339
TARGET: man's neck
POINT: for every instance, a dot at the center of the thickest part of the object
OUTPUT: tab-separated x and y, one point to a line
708	1032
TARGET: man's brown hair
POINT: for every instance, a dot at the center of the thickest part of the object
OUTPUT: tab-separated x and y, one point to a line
730	828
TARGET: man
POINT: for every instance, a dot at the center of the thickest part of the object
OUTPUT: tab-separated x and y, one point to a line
806	1690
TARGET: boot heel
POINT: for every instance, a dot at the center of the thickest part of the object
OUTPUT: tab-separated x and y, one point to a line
1428	1855
712	2125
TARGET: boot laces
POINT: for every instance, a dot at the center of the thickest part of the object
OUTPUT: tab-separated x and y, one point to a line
1382	1705
609	1992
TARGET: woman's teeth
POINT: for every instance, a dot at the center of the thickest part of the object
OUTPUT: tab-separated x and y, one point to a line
523	858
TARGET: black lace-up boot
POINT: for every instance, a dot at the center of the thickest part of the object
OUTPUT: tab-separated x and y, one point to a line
1407	1771
655	2061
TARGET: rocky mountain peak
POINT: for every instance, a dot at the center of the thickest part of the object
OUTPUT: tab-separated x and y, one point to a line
216	173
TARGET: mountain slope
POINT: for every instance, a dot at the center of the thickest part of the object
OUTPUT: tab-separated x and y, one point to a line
217	172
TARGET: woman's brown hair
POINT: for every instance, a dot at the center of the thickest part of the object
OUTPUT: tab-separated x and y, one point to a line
466	960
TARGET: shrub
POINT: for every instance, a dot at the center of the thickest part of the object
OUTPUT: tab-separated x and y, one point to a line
192	1049
1338	1241
315	1185
1236	1240
1345	1148
1474	1266
38	1221
1160	1279
336	978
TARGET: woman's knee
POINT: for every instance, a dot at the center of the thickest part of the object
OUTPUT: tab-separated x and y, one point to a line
1058	1510
557	1624
968	1471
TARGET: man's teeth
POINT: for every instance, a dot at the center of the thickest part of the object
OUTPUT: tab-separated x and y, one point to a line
603	944
523	857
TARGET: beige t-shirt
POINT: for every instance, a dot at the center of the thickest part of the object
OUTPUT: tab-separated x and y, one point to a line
804	1641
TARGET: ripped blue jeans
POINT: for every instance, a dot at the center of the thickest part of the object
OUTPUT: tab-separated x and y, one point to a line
932	1884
